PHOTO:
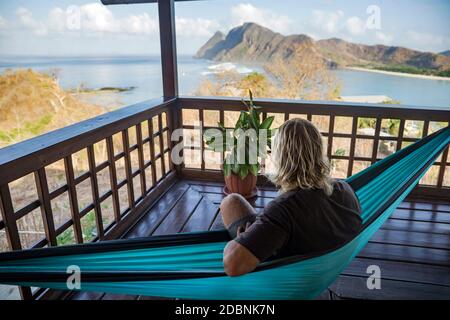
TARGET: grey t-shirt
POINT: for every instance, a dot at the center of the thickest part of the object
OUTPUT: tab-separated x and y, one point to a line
304	222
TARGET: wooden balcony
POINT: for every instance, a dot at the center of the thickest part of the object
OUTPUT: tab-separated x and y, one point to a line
133	189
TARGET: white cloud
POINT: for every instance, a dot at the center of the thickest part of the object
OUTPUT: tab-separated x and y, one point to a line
27	20
196	27
245	12
383	38
140	24
96	19
427	41
328	22
3	23
355	26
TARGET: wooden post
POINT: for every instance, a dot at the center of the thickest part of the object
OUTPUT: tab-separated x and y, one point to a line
166	11
12	233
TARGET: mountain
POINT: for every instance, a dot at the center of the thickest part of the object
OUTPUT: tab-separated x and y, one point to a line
445	53
256	44
252	43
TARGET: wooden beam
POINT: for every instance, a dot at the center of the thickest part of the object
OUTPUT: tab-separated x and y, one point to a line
166	11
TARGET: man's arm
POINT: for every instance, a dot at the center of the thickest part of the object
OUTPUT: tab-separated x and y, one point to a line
238	260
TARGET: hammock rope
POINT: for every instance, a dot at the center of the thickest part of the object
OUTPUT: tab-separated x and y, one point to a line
190	265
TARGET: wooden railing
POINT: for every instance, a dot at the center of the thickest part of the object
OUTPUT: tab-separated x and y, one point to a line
356	135
135	161
92	180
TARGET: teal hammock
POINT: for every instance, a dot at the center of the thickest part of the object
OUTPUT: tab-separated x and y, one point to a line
190	265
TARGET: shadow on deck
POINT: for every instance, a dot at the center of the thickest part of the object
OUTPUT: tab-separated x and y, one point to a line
412	248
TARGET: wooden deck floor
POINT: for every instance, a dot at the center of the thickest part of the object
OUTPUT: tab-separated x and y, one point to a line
412	248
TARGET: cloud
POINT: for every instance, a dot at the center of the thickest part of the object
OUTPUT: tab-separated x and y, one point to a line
328	22
27	20
245	12
3	23
196	27
427	41
355	26
95	19
383	38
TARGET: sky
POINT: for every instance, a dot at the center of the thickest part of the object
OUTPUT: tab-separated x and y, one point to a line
86	27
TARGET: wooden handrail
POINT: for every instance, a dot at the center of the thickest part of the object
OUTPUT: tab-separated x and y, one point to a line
321	108
28	156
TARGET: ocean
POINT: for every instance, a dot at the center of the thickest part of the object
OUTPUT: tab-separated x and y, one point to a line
144	75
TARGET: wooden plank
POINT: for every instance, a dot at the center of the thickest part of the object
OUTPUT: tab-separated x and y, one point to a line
166	12
152	150
410	238
442	166
202	217
46	208
141	159
202	143
110	296
113	178
356	288
425	205
128	170
161	146
400	134
73	199
95	192
352	146
406	254
417	226
420	215
393	270
154	216
330	137
87	296
179	214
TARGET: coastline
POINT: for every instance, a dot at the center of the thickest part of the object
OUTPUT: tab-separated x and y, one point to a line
400	74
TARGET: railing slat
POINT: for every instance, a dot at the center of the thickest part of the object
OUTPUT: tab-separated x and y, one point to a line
376	140
95	192
113	178
46	207
141	158
202	143
128	170
161	146
400	134
442	166
330	137
74	209
352	146
152	150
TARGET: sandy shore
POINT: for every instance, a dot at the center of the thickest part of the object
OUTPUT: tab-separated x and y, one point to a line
401	74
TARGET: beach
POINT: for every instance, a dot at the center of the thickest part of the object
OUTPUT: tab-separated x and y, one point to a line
401	74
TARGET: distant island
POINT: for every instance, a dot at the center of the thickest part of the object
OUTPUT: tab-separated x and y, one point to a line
252	43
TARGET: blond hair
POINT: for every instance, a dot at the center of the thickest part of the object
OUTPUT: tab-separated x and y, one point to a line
299	158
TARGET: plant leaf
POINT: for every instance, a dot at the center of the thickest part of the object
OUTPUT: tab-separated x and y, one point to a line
243	171
254	168
226	169
267	123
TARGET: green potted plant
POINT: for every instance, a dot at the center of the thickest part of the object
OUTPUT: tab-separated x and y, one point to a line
244	146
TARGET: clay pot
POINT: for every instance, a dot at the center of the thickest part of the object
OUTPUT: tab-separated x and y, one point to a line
245	187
